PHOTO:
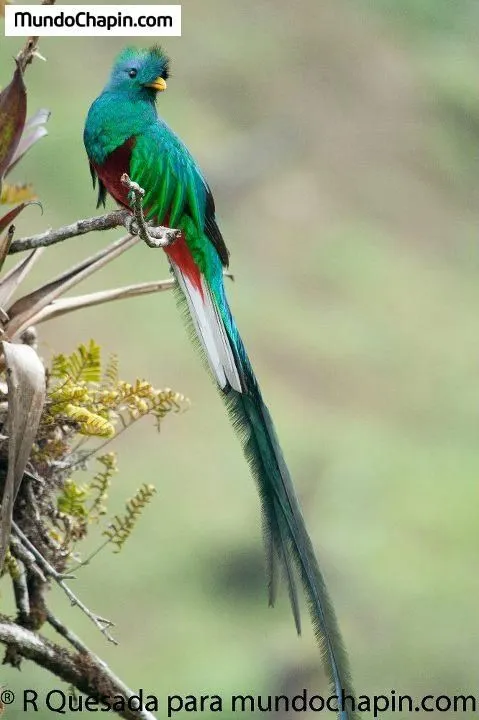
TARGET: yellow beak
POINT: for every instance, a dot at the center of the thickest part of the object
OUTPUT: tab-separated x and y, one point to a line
158	84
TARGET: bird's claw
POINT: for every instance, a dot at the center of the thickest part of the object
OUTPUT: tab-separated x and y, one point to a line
131	225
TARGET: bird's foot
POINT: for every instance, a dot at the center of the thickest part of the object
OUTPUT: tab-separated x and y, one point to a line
131	225
154	237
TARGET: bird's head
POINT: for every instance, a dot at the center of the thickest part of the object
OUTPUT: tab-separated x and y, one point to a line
140	71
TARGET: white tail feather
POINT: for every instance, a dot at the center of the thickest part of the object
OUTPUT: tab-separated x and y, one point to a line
210	329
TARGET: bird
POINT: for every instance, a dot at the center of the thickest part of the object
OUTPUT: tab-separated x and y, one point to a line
124	134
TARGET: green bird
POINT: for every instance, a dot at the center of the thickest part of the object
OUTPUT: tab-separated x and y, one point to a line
123	134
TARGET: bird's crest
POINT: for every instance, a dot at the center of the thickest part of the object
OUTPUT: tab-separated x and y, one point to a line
155	53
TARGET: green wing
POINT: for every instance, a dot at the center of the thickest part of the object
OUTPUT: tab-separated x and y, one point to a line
173	184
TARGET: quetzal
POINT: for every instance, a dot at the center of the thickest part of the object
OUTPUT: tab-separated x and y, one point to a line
123	134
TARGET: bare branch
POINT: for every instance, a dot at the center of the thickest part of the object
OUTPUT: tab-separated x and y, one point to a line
20	590
118	218
70	636
26	557
101	623
80	227
82	669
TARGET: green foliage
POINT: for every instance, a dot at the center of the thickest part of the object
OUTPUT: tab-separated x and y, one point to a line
10	566
73	394
89	423
95	401
122	526
111	372
128	402
80	505
100	485
85	401
83	365
72	499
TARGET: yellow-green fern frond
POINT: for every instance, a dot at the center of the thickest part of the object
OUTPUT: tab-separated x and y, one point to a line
72	500
83	365
11	566
69	392
129	402
100	484
89	423
111	373
121	527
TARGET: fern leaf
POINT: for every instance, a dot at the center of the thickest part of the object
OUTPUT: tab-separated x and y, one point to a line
83	365
69	392
122	526
11	566
111	373
72	500
89	423
100	485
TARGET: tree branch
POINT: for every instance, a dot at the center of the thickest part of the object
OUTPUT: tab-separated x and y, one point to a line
118	218
84	670
20	590
101	623
27	558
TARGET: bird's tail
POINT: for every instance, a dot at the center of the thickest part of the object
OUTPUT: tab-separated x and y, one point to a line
287	540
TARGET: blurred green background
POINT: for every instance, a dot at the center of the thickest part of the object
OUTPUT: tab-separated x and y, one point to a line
340	138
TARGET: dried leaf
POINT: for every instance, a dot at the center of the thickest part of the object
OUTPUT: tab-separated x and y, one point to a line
5	243
13	110
26	397
20	192
70	304
32	133
26	310
10	281
7	219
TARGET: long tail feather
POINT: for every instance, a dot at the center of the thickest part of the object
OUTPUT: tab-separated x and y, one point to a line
286	527
286	537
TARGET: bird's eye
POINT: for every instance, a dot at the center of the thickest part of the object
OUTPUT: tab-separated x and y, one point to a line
133	73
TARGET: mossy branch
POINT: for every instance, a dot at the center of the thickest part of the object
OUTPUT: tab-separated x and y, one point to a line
82	668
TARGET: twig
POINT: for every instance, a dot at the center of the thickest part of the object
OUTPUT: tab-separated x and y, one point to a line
48	569
101	623
82	669
20	590
27	558
25	56
70	636
115	219
92	555
136	195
